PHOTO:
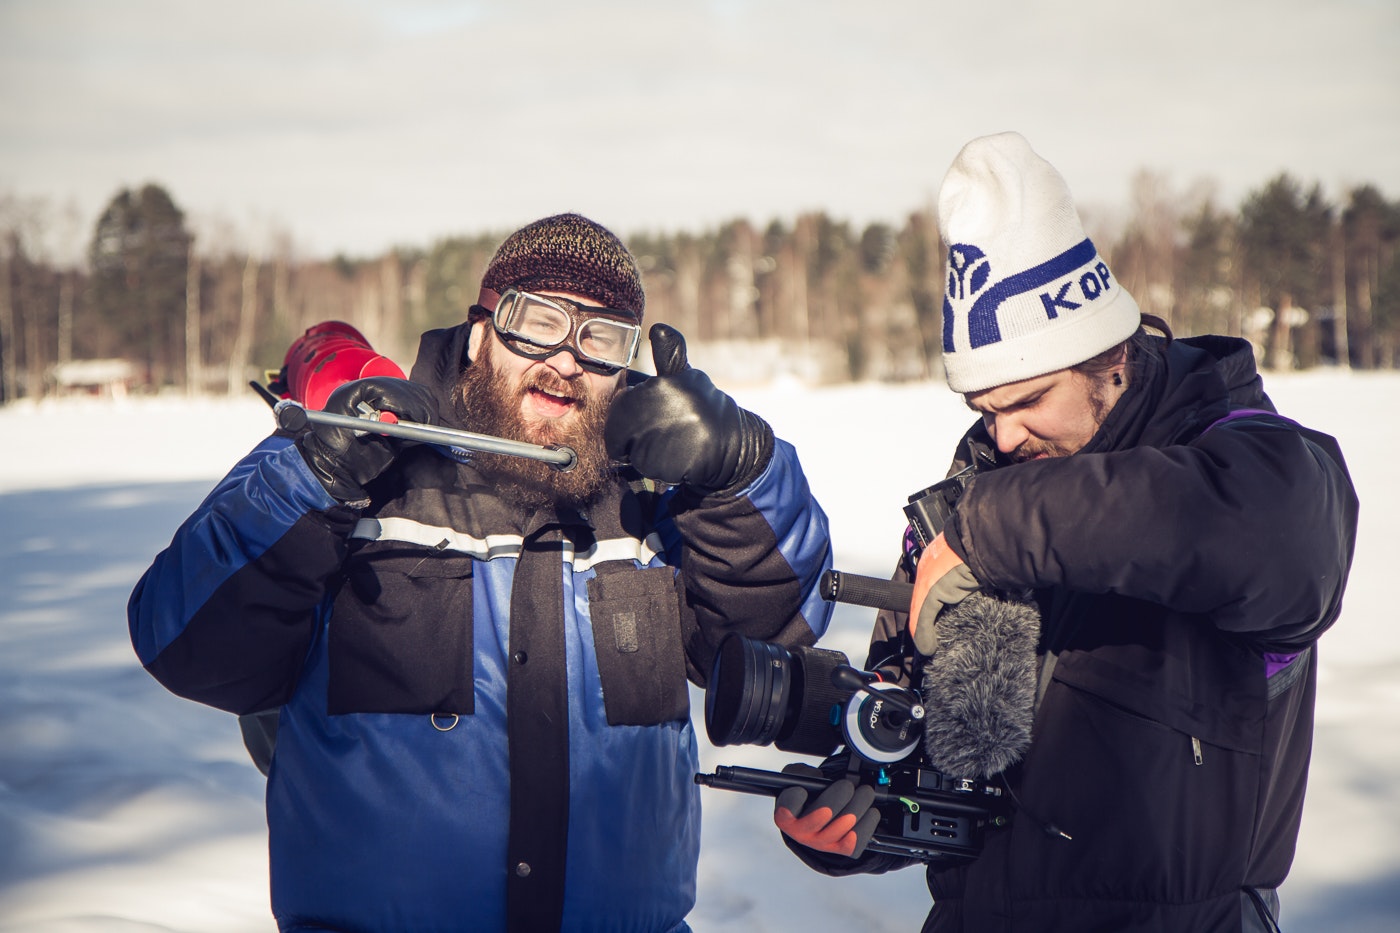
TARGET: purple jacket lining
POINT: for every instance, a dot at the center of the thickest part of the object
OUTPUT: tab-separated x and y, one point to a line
1273	663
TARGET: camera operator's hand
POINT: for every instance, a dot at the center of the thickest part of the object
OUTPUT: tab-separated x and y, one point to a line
841	820
941	579
343	461
678	429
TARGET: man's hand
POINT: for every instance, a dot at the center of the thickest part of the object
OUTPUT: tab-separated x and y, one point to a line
941	579
678	429
344	460
841	820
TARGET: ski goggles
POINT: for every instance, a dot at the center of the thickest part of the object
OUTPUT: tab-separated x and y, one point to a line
536	327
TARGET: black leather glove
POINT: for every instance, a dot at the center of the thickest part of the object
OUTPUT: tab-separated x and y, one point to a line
841	820
678	429
344	460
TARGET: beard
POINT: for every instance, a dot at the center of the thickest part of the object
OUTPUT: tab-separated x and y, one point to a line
488	402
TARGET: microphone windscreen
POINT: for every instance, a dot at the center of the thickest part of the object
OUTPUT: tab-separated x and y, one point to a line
980	686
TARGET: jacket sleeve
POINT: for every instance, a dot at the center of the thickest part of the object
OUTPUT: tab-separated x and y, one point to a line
751	562
1251	524
225	614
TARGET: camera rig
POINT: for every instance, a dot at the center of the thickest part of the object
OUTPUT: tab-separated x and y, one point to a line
810	701
929	509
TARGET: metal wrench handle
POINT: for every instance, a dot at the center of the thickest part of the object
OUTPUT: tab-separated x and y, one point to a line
290	413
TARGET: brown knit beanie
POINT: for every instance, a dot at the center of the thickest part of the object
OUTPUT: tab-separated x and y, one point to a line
568	253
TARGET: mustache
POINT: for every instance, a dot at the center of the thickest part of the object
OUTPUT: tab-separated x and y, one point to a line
1025	454
547	380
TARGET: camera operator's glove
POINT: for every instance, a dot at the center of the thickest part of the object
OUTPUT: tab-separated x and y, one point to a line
678	429
841	820
344	460
941	580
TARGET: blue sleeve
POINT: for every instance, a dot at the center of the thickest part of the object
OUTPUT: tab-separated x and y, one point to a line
785	501
752	562
225	614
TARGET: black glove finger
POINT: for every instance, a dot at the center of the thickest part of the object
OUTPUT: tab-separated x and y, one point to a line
791	799
667	425
835	798
865	831
667	349
409	401
860	802
344	459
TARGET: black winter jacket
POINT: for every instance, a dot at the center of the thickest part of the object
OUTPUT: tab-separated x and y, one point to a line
1185	566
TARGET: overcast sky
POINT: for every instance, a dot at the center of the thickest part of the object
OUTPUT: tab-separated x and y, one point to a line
354	125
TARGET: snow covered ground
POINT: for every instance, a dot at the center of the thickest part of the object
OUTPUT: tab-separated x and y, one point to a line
124	809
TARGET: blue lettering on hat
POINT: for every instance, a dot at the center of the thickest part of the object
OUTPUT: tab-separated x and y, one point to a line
982	326
1051	304
1089	285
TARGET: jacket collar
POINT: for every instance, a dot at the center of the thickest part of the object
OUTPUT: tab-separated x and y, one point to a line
1178	389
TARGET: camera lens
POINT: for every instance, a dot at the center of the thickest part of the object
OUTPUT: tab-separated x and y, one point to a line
761	693
747	693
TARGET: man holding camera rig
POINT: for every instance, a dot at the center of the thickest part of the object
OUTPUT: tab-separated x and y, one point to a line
480	661
1185	546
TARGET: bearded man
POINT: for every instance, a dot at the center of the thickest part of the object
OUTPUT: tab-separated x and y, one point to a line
479	662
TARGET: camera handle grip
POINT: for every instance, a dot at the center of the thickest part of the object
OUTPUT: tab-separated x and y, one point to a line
839	587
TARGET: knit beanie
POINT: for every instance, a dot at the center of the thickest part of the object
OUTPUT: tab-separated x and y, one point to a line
1026	292
568	253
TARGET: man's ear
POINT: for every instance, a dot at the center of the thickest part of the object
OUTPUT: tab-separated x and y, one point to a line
477	338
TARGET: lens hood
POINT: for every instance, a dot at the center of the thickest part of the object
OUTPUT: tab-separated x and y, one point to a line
761	693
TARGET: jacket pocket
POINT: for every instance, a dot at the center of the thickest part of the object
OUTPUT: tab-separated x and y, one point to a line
400	635
1158	811
637	642
1209	709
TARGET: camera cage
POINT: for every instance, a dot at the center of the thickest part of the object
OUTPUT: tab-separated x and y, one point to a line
811	701
807	700
929	509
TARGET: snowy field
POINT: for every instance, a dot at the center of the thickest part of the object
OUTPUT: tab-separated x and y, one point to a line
124	809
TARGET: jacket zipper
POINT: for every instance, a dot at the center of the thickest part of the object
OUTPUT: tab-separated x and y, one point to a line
1196	751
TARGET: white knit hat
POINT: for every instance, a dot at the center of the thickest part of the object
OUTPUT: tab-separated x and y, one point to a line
1026	291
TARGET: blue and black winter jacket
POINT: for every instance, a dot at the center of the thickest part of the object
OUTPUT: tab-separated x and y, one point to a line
484	713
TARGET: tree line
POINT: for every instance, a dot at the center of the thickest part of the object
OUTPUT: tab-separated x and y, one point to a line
1309	281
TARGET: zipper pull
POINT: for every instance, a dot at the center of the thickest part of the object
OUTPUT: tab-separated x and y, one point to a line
1196	751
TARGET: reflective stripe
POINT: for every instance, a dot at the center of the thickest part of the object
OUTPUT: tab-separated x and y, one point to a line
615	549
1259	910
1281	680
494	546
